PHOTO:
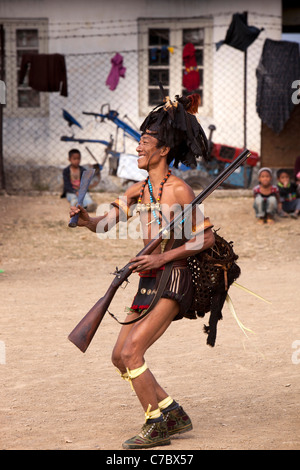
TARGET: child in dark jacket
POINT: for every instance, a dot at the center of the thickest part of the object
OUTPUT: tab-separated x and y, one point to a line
288	194
72	175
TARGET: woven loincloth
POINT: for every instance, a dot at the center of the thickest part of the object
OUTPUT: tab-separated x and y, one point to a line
179	288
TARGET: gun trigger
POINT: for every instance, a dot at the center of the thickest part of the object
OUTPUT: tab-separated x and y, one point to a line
127	282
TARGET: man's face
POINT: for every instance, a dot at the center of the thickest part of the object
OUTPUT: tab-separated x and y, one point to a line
147	150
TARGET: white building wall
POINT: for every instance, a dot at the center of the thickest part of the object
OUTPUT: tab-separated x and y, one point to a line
94	17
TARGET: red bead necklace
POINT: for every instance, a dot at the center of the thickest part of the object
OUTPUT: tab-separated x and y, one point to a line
147	181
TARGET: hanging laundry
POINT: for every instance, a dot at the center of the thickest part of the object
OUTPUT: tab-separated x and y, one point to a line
47	72
278	67
239	35
153	54
191	77
164	52
117	70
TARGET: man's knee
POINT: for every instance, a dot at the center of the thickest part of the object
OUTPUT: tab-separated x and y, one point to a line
130	354
117	360
126	357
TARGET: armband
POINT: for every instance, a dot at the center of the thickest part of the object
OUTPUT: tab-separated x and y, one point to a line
122	205
204	225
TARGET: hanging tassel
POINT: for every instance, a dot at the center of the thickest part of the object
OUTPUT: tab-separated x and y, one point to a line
243	328
250	292
232	310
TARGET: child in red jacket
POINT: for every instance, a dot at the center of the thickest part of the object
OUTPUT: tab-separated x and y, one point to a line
266	198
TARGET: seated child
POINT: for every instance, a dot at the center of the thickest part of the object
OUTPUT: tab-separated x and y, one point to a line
266	197
288	194
72	175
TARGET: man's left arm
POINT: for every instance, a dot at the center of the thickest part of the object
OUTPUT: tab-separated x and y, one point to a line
199	238
197	230
202	240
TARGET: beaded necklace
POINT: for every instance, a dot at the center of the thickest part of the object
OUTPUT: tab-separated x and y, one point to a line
154	204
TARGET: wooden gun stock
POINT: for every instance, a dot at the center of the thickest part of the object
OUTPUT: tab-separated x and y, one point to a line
84	332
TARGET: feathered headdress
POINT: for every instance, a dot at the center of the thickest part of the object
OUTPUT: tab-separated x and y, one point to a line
174	125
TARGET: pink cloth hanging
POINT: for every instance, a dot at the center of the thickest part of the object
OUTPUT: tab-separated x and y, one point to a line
117	70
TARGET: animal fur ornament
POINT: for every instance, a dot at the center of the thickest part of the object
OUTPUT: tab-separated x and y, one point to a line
174	125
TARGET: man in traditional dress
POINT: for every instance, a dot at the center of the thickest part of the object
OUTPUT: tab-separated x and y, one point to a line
170	133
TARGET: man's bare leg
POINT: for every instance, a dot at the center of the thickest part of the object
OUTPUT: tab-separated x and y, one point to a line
143	334
128	356
135	339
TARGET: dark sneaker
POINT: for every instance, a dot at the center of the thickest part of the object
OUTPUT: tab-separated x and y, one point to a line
177	421
151	435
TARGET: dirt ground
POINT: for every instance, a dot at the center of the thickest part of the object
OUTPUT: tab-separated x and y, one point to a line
242	394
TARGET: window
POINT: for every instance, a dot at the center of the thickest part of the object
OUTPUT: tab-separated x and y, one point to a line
27	42
161	44
23	37
158	63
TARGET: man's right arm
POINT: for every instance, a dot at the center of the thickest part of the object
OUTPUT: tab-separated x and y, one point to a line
120	211
98	224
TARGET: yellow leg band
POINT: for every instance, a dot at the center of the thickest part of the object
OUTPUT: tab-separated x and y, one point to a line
124	376
165	403
133	374
152	414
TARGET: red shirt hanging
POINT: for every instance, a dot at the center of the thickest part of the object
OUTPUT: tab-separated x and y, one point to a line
191	77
